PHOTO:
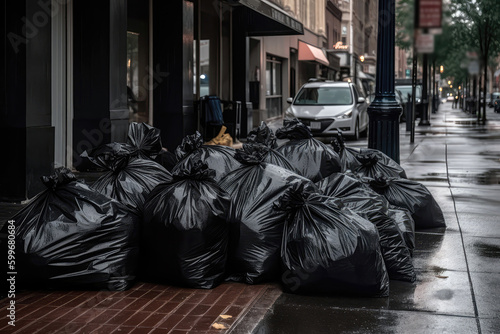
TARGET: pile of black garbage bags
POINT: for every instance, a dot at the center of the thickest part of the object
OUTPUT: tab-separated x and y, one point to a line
319	218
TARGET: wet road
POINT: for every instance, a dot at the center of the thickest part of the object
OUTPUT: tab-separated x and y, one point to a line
458	267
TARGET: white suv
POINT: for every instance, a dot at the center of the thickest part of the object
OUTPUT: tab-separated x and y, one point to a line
330	106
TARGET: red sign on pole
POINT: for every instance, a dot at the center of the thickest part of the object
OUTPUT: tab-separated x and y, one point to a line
430	13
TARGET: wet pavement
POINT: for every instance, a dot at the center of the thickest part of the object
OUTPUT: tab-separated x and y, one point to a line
458	267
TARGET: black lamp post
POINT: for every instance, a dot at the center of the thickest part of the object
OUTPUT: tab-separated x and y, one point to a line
424	117
384	111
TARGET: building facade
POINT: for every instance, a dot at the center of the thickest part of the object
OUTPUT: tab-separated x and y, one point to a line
357	44
74	74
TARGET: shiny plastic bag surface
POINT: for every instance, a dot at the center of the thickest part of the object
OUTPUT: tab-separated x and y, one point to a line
329	249
219	158
374	207
145	138
374	162
411	195
270	155
347	154
129	178
185	232
366	161
256	227
406	225
71	236
310	157
262	135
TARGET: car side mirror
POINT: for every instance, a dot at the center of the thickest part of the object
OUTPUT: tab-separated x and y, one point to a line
361	99
289	100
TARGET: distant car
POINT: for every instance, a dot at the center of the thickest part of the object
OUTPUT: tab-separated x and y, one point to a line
405	87
327	106
496	105
402	103
494	96
450	98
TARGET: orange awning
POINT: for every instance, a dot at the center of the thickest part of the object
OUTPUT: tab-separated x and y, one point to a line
310	52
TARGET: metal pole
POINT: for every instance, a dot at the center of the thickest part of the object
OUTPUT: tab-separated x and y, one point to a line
384	111
414	71
424	117
434	103
413	92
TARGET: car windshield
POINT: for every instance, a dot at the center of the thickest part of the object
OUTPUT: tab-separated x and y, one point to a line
405	90
324	96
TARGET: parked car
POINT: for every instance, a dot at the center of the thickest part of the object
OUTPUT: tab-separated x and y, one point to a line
327	106
405	87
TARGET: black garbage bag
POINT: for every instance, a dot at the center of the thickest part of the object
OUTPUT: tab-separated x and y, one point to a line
270	155
146	139
185	233
406	225
310	157
262	135
147	142
329	249
167	159
347	154
256	227
374	162
366	161
411	195
71	236
129	178
217	157
374	207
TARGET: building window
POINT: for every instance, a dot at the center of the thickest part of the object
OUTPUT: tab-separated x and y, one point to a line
344	40
273	87
344	30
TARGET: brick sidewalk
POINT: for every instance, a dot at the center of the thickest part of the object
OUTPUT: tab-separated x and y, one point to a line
146	308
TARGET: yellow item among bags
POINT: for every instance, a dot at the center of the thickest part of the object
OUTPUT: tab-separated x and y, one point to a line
222	138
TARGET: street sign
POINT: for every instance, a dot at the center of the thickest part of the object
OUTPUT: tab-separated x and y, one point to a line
473	67
429	13
425	43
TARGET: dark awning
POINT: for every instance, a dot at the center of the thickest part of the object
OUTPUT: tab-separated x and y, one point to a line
334	60
264	18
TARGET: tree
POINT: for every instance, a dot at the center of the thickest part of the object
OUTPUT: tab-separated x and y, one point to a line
480	20
468	25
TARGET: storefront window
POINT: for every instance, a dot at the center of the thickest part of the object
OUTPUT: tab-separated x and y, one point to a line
204	67
273	87
138	66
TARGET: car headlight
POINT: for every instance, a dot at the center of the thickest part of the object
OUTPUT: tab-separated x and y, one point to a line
418	100
289	113
346	115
